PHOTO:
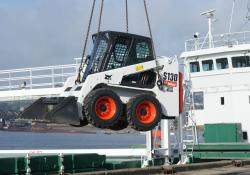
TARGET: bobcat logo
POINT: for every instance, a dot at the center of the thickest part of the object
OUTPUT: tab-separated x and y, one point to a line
108	77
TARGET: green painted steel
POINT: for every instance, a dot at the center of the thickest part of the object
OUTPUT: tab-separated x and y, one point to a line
52	164
58	164
223	133
12	165
113	164
219	151
83	162
221	155
219	147
44	164
77	163
138	146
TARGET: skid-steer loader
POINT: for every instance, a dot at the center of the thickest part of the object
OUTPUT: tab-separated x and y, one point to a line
121	84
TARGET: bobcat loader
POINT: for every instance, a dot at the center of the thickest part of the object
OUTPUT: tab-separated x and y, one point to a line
122	84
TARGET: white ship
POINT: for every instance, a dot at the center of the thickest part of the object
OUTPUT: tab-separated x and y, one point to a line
218	71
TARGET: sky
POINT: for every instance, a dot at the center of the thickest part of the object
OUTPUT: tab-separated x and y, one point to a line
51	32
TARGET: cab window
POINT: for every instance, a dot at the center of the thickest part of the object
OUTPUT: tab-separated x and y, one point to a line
141	51
118	54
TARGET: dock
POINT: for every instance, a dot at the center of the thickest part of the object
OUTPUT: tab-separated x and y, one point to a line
215	168
123	162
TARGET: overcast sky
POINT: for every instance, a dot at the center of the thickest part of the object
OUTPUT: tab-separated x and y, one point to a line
50	32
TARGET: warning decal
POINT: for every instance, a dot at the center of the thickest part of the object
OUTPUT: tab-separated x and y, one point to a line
170	79
170	83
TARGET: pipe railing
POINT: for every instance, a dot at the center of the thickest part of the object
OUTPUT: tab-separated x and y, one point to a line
226	39
37	77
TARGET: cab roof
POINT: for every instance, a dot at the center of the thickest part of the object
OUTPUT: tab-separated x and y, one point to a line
122	34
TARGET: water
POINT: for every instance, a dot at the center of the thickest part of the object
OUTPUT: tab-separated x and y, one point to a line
29	140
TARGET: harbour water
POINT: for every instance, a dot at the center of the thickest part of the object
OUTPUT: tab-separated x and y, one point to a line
30	140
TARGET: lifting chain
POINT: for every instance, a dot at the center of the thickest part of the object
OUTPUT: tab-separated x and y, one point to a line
100	17
78	79
159	83
126	2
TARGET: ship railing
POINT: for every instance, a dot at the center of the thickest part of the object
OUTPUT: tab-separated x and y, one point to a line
36	77
226	39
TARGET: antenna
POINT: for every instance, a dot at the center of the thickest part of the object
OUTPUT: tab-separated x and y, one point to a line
210	15
248	10
231	19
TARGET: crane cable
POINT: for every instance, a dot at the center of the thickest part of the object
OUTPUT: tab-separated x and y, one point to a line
100	17
127	29
152	40
78	79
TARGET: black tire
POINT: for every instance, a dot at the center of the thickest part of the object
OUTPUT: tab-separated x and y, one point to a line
83	122
120	125
151	114
103	108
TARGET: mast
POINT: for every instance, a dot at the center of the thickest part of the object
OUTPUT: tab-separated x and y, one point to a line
231	18
210	17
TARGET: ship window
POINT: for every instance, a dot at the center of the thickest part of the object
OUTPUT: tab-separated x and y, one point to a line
241	61
222	101
194	67
222	63
245	136
207	65
198	100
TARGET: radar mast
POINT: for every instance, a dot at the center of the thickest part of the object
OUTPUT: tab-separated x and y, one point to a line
210	16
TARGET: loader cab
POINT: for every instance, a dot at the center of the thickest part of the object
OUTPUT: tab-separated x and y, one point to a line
114	50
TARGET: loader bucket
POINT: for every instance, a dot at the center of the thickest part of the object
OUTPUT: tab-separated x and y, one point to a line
60	110
34	111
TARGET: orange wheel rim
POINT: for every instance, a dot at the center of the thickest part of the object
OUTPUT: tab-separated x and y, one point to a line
105	108
146	112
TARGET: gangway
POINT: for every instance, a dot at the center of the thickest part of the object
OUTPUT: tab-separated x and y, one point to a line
35	82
